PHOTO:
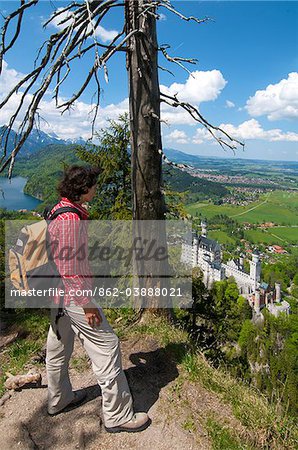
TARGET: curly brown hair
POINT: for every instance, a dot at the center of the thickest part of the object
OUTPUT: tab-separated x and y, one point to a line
77	180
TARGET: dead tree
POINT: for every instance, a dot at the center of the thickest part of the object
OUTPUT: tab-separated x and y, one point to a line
76	37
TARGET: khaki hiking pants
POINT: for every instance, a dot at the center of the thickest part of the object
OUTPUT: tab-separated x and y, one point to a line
102	346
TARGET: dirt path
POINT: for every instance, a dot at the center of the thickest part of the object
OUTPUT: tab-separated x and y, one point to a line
24	423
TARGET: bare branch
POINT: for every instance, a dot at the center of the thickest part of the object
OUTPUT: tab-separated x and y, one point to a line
166	70
60	81
61	11
78	22
17	13
180	166
226	141
110	53
70	102
96	103
177	59
58	52
166	4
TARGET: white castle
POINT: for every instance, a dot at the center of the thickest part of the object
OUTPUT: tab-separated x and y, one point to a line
200	251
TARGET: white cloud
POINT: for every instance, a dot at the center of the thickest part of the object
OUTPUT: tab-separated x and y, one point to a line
201	86
79	115
230	104
250	129
61	21
277	101
175	116
105	35
78	122
67	17
69	125
9	78
177	136
200	136
162	16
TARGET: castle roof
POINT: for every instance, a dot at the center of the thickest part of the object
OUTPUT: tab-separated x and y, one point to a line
208	244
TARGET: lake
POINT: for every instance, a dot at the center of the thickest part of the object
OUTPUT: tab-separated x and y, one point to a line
12	195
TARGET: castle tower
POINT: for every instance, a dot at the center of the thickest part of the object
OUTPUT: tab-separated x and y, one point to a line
204	227
255	269
277	292
241	261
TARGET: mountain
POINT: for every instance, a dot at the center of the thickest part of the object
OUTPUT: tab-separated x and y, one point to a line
35	141
78	141
197	188
180	157
236	162
50	161
198	161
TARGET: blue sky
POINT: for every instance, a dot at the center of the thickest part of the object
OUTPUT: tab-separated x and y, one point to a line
246	79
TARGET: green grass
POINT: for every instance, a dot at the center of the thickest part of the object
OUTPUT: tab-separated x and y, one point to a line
35	323
221	236
20	351
33	327
273	236
189	424
265	426
281	208
248	406
222	436
260	236
290	234
285	197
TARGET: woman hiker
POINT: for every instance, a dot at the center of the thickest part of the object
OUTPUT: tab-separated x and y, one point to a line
83	318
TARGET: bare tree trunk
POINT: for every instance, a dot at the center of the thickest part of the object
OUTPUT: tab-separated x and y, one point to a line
144	107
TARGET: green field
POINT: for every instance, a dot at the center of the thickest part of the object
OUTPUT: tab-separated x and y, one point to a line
289	234
221	236
276	235
279	207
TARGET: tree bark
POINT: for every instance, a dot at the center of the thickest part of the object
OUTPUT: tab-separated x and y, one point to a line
144	107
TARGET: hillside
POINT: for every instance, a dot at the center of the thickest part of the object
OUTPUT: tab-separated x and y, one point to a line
50	161
180	181
192	405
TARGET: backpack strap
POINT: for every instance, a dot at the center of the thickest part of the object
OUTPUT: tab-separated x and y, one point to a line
62	210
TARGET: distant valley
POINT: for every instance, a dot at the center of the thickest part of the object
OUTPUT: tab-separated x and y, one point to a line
232	181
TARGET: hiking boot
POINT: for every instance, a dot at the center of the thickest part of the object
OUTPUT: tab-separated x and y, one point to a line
139	422
79	397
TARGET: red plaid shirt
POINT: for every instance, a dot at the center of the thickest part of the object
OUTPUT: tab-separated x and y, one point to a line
69	237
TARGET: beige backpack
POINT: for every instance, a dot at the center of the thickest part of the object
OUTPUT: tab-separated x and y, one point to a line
29	260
